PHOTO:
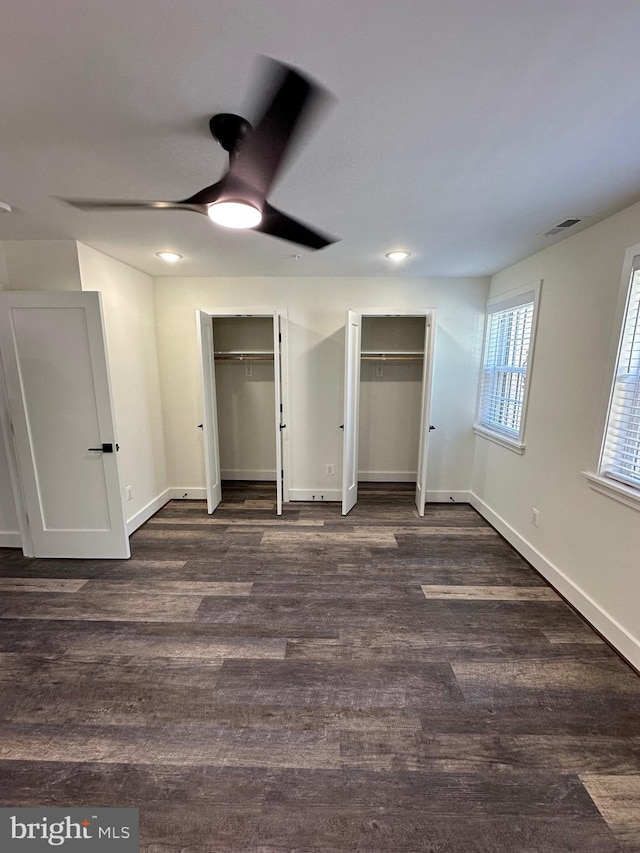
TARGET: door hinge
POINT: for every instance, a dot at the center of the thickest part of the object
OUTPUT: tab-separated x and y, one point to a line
280	408
279	337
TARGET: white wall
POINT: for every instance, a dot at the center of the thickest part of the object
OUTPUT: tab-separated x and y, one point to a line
587	544
316	366
42	264
128	307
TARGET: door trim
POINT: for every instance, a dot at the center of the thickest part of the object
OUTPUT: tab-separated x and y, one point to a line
269	313
430	317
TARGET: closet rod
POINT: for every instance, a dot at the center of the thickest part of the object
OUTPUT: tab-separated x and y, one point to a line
392	356
243	356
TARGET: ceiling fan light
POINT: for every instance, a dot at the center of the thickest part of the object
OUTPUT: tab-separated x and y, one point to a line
169	257
397	255
235	214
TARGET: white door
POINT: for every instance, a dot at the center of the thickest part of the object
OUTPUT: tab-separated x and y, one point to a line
353	325
57	381
209	410
425	410
280	425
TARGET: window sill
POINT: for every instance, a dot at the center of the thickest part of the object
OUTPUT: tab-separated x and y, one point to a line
612	489
502	440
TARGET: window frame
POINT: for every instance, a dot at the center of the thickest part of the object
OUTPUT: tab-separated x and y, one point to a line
510	299
602	481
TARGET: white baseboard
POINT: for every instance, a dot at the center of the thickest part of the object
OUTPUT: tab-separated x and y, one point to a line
147	511
442	497
188	493
619	637
321	494
386	476
318	495
230	474
10	540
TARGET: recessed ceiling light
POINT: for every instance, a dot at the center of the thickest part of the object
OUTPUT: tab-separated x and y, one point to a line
397	255
169	257
234	214
5	207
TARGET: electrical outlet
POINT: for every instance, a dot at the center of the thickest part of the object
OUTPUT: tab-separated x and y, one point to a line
129	493
535	516
329	468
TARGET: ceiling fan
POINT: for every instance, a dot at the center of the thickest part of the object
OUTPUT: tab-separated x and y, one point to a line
256	154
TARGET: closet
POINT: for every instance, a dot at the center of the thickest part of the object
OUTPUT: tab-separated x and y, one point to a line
243	411
388	370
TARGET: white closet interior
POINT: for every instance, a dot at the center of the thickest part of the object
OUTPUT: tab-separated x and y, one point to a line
244	378
387	399
391	369
243	375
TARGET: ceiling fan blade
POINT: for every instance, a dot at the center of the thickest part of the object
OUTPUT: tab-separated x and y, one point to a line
278	224
291	101
208	195
107	204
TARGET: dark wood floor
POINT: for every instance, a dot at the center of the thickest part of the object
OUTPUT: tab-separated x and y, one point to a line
378	682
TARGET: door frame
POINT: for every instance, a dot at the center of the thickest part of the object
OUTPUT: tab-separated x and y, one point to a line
431	320
270	313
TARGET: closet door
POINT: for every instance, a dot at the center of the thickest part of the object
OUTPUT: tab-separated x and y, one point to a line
353	324
277	382
425	412
59	395
209	411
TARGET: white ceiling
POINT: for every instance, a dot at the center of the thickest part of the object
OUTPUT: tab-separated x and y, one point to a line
460	128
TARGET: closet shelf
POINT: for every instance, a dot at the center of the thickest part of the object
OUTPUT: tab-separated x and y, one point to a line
408	355
254	355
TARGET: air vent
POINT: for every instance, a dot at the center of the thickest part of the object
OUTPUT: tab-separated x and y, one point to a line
561	226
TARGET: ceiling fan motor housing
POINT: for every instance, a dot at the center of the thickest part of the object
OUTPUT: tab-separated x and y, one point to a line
229	130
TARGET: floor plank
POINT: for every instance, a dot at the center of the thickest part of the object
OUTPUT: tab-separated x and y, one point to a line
319	684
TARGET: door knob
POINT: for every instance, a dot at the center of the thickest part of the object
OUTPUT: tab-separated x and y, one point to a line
106	448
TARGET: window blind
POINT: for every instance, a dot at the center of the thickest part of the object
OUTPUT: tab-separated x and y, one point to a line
504	376
621	453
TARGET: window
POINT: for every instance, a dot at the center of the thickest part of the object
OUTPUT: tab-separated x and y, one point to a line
620	458
506	363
